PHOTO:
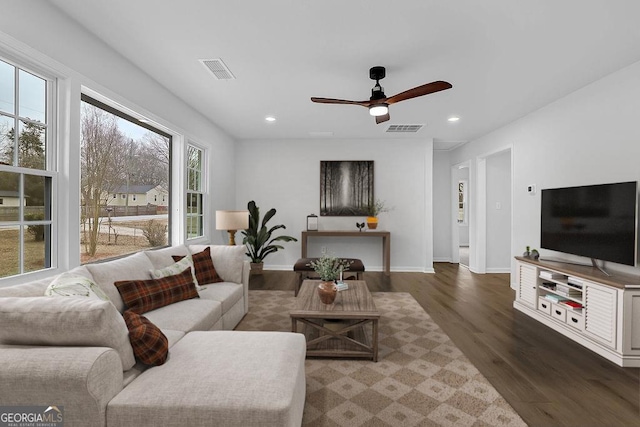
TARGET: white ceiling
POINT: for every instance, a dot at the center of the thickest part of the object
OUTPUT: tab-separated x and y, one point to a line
504	58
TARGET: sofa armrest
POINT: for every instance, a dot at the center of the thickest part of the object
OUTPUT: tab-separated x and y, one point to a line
246	272
81	379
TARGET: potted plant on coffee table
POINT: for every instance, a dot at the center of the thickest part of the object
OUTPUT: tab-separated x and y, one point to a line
329	268
258	238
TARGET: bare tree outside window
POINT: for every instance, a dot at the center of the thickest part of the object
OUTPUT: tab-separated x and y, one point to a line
121	157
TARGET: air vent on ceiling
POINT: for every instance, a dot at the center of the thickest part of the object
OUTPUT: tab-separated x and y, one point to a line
218	68
404	128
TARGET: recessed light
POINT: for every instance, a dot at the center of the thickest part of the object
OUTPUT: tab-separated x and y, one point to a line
143	120
270	119
453	119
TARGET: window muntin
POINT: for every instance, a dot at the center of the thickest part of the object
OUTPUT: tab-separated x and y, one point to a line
120	155
195	194
26	183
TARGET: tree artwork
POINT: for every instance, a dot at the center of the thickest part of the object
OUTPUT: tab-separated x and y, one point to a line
346	187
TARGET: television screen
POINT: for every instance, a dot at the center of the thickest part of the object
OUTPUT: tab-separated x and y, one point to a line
595	221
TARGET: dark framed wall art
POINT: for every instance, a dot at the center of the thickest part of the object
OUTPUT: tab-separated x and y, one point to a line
346	187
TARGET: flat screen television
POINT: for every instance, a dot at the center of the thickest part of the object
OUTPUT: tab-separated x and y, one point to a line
595	221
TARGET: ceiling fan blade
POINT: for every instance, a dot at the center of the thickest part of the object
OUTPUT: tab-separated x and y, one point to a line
339	101
381	119
425	89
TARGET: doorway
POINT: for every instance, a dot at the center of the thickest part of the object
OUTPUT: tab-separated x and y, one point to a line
461	214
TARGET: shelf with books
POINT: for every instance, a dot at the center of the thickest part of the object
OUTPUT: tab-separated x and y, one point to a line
546	287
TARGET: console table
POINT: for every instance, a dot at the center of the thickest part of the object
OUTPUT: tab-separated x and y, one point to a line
385	235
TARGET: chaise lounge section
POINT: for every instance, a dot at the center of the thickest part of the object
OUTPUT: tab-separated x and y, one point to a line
212	376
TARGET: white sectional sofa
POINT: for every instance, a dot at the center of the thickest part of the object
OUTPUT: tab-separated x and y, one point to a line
70	353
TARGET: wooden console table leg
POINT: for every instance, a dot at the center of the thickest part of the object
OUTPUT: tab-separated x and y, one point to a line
386	254
303	245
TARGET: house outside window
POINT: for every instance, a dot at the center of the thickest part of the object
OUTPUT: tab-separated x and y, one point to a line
26	172
121	155
195	194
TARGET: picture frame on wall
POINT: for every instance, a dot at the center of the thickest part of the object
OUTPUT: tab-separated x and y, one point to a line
346	187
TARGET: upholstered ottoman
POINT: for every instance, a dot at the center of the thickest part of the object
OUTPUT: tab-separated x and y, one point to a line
219	378
303	270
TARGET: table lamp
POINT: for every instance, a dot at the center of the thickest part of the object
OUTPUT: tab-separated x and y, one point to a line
232	221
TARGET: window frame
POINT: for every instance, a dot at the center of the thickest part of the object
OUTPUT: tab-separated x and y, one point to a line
100	101
202	192
50	171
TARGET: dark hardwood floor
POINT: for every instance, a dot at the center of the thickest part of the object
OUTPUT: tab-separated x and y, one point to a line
547	378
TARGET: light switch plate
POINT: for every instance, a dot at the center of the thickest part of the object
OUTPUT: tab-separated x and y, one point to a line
531	189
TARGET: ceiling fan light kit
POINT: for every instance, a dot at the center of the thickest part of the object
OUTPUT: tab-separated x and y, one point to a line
378	110
378	104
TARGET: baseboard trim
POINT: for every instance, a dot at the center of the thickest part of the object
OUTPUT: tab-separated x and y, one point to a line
499	270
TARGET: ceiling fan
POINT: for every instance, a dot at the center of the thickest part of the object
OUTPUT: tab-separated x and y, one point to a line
378	104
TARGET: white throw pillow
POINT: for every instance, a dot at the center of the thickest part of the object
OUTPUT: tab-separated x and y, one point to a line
177	268
228	260
74	285
83	322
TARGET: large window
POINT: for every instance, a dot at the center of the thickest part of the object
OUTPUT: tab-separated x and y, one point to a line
195	195
26	177
121	156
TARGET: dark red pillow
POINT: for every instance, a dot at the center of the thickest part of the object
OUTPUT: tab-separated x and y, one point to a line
141	296
205	271
150	345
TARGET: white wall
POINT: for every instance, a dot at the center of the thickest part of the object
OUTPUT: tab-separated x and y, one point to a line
499	212
36	34
286	174
588	137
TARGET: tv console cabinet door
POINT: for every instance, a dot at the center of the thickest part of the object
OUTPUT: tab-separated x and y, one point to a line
600	320
527	286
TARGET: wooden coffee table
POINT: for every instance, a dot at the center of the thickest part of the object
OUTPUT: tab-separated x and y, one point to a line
338	329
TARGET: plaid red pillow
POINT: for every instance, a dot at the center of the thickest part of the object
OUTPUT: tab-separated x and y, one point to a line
141	296
150	345
205	271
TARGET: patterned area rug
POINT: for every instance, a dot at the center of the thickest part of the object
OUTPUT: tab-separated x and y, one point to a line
421	378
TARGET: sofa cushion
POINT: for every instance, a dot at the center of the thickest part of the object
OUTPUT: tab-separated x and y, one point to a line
141	296
133	267
227	293
161	258
150	345
75	285
176	268
205	270
186	316
64	322
227	259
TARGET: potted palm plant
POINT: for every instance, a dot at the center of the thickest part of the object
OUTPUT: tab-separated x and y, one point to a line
258	238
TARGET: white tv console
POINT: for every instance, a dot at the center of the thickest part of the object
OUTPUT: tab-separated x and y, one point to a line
608	323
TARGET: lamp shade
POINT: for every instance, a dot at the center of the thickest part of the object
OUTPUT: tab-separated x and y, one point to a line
232	220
